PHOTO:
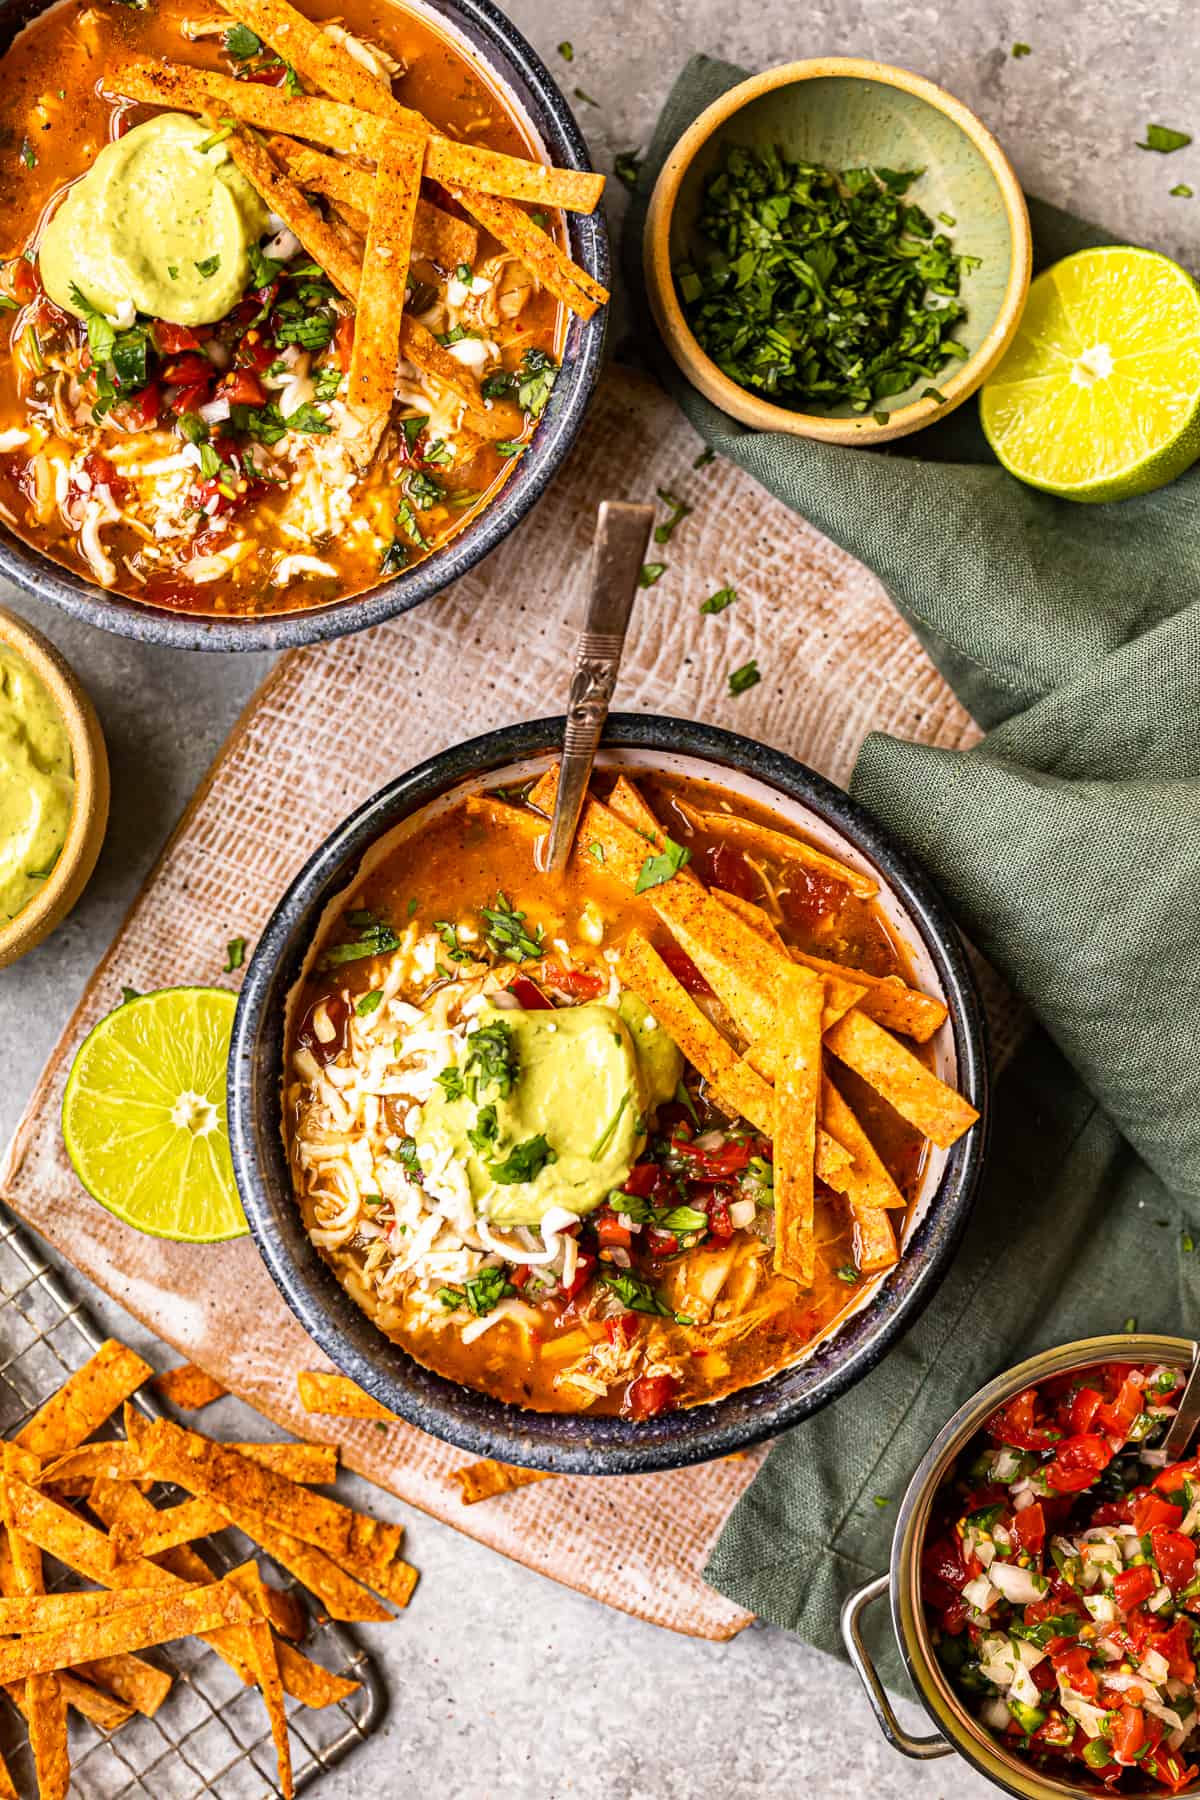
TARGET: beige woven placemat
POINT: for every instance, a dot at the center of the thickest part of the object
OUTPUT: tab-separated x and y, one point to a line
331	725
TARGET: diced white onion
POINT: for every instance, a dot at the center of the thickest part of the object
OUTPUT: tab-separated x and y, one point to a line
213	411
1021	1586
741	1213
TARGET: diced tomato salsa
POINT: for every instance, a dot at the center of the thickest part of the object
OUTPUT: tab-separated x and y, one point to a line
1060	1581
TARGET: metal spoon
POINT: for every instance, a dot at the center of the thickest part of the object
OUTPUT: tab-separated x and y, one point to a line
1187	1415
618	551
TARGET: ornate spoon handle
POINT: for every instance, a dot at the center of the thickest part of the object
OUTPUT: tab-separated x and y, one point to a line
618	550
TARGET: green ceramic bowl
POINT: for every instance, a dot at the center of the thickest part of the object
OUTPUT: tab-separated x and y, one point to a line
845	112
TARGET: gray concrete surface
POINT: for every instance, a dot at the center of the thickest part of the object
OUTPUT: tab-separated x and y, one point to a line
502	1683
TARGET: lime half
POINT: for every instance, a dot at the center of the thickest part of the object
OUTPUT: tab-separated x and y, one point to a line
1098	395
144	1115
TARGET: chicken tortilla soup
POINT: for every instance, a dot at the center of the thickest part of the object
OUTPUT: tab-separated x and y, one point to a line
622	1140
282	299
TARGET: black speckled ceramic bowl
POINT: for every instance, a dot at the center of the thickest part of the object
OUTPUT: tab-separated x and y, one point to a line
486	35
577	1443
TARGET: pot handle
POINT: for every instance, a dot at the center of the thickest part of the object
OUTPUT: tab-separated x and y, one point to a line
922	1748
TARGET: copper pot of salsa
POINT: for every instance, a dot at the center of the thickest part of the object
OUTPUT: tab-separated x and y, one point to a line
1044	1584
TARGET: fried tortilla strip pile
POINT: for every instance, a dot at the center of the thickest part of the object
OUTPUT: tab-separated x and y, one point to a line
330	66
797	1084
484	1480
437	235
338	1396
79	1649
746	965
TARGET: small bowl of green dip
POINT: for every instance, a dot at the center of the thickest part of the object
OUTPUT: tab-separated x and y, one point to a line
837	249
53	788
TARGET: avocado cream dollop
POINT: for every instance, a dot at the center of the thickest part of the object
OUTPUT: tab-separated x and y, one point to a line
37	783
163	219
569	1115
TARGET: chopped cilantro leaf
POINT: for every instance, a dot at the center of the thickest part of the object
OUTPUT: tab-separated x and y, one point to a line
1164	140
567	51
235	954
524	1162
506	934
651	573
1020	50
716	603
627	166
660	867
241	43
1181	191
747	676
209	265
678	512
369	1003
847	1273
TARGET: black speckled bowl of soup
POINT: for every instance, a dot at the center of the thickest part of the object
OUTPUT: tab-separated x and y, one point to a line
91	524
403	839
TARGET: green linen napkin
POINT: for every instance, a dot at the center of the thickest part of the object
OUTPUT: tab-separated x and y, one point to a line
1068	845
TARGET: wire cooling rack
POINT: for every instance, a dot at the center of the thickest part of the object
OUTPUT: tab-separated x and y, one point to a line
211	1736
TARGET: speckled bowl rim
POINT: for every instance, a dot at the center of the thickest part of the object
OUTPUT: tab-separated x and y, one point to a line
516	65
748	408
89	804
575	1443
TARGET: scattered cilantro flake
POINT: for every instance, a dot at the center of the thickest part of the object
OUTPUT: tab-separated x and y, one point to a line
449	936
627	166
651	573
948	219
881	418
28	154
405	1153
678	511
235	954
606	1136
818	288
128	994
535	379
567	50
882	1500
369	1003
491	1060
586	98
848	1273
1163	139
524	1162
1187	1242
596	852
660	867
1020	50
707	455
716	603
1129	1325
406	519
376	938
506	935
209	265
1181	191
241	43
224	130
395	558
932	393
746	677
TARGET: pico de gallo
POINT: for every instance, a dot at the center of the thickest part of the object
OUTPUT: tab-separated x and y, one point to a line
1060	1581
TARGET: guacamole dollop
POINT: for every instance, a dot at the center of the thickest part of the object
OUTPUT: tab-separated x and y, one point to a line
549	1109
37	783
163	218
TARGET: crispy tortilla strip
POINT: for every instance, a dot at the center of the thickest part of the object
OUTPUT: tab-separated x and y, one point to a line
318	58
182	1612
337	1395
102	1710
120	1460
306	1681
188	1387
351	132
866	1182
85	1400
36	1611
491	419
136	1683
797	1090
536	249
132	1535
282	195
286	1612
45	1701
887	999
372	380
906	1084
874	1239
366	1547
333	1581
734	1085
627	802
484	1480
251	1586
749	833
756	918
438	236
504	817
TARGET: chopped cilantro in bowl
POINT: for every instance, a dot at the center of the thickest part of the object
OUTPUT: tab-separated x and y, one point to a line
820	289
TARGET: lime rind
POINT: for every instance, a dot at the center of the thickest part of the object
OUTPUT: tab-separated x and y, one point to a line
160	1054
1098	396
